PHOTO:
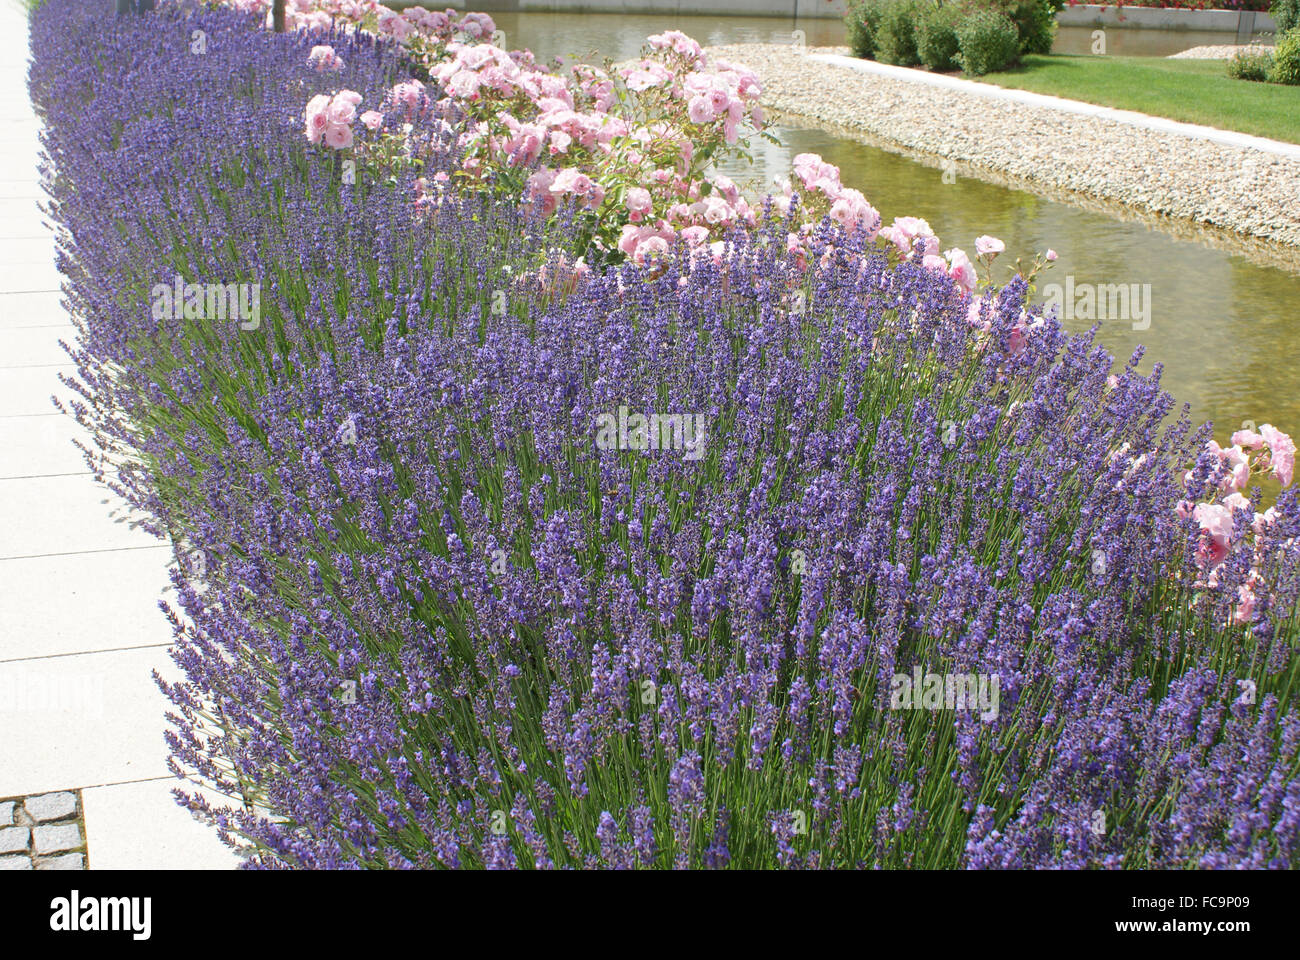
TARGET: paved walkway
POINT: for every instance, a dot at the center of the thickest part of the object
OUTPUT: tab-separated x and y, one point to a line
80	630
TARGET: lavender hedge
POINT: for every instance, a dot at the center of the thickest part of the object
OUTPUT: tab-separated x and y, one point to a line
427	616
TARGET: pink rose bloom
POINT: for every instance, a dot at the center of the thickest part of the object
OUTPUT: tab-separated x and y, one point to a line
323	57
638	202
1184	509
649	247
852	211
537	189
372	119
920	239
924	245
694	236
627	240
638	80
700	110
464	85
1281	453
1216	528
1248	439
986	245
816	173
727	187
935	264
571	180
1245	611
1238	468
340	112
731	128
1235	501
559	142
407	95
716	210
1051	255
338	136
349	97
960	269
1262	520
902	243
317	120
913	227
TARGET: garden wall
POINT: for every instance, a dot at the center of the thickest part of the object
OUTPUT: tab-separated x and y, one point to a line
1095	15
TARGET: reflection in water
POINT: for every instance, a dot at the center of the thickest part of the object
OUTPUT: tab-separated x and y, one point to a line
1221	324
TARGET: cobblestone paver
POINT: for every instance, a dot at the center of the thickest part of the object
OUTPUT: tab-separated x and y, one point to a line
44	832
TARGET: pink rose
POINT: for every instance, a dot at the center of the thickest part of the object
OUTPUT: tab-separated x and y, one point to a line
338	136
988	246
1248	439
317	120
372	119
341	112
648	248
1281	453
700	110
960	269
1216	533
638	202
935	264
1051	255
1245	611
694	236
571	180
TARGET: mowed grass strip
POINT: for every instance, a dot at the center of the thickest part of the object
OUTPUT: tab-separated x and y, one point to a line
1193	91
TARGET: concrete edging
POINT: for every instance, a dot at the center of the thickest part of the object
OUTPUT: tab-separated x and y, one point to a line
1129	117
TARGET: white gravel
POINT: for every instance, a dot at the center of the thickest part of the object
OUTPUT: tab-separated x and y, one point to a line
1218	51
1231	187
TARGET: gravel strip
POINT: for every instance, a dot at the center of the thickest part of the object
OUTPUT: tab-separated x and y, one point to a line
1234	188
1218	51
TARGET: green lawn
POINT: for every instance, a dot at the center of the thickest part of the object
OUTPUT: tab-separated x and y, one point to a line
1195	91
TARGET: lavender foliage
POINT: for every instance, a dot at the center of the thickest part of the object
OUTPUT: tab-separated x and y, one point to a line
427	618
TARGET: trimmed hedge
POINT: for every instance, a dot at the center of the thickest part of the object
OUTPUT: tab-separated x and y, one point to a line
936	37
986	42
911	32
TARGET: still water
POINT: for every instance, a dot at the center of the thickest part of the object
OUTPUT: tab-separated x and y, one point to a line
1223	324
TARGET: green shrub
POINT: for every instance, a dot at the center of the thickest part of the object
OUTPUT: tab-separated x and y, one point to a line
896	33
936	35
1250	65
1286	14
859	21
986	41
1035	22
1286	59
890	30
